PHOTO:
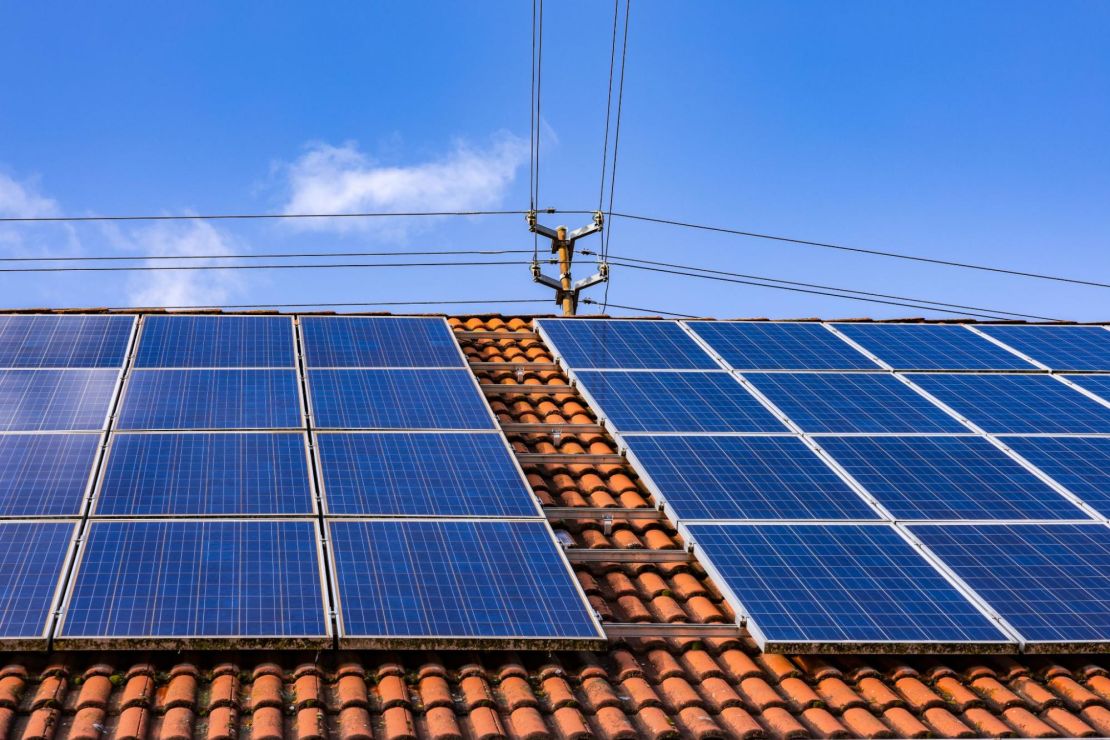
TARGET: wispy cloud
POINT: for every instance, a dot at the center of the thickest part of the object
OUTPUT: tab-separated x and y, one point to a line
22	199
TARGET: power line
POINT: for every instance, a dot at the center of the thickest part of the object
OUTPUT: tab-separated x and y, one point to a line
263	255
230	216
307	305
642	310
538	119
608	105
616	145
153	268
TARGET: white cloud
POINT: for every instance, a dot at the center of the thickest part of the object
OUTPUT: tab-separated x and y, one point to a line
21	200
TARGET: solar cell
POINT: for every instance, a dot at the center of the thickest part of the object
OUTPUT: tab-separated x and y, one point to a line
1079	464
55	400
677	402
1018	404
852	402
48	341
1058	347
205	474
421	475
188	579
947	478
455	579
215	341
852	583
1050	581
363	341
45	474
601	343
32	556
765	345
211	399
1097	384
932	347
397	399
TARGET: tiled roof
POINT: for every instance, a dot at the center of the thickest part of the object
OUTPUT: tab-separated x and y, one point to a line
645	687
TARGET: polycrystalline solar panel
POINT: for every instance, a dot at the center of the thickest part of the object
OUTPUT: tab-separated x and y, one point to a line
932	347
1050	581
455	579
851	583
1079	464
397	399
45	341
211	399
32	557
363	341
602	343
765	345
55	400
745	478
852	402
677	402
188	579
1018	404
216	341
205	474
45	474
1058	347
1097	384
426	474
947	478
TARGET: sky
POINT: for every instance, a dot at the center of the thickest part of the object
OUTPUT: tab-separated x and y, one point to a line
964	130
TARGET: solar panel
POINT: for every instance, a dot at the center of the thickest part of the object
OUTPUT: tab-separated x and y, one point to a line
421	475
197	579
55	400
765	345
677	402
205	474
1097	384
32	557
1018	404
932	347
1079	464
947	478
1050	581
216	341
601	343
455	579
745	478
46	341
211	399
852	402
363	341
1058	347
45	474
397	399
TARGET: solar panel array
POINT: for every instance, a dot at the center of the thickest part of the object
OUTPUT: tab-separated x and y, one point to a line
864	486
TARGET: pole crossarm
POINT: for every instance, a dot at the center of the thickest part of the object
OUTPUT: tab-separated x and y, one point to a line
562	244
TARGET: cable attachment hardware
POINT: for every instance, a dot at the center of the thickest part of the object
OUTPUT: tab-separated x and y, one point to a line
563	244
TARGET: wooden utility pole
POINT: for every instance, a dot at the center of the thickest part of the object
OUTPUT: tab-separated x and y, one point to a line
562	245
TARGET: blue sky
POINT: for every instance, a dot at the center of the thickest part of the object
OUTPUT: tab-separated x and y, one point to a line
969	131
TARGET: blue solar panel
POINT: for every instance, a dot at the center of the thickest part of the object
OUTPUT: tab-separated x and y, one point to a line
45	474
1050	581
34	341
421	475
677	402
852	402
181	579
32	557
932	347
1097	384
216	341
455	579
55	400
211	399
363	341
947	478
1018	404
1079	464
764	345
1058	347
838	583
205	474
745	478
397	399
600	343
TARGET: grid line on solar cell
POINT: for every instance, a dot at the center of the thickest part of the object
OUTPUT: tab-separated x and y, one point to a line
677	402
1079	464
376	342
644	345
1017	404
852	402
55	400
45	474
1058	347
216	473
756	345
455	579
931	347
208	578
1050	581
44	341
215	342
211	399
32	556
745	478
1097	384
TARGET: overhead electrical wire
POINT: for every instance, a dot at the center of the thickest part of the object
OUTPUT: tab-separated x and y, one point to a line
641	310
233	216
605	236
315	305
324	265
263	255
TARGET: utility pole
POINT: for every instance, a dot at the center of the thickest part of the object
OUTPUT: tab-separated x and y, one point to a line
562	244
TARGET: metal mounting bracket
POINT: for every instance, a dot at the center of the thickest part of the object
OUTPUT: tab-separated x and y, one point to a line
563	243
